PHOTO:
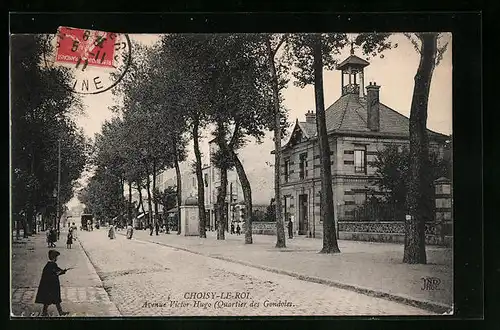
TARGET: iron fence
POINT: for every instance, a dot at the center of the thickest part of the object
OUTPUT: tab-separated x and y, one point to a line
371	212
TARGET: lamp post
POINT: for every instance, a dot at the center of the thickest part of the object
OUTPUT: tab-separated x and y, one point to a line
58	186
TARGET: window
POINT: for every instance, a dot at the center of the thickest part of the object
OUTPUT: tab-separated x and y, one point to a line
194	182
360	160
287	169
302	165
206	179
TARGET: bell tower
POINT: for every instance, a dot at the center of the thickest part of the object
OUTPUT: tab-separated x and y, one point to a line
352	70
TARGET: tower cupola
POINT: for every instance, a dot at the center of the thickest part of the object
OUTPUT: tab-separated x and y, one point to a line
352	69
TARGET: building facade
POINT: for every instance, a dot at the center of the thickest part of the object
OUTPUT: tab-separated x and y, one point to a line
358	126
211	182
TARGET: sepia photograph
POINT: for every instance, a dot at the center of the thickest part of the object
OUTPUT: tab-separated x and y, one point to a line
231	174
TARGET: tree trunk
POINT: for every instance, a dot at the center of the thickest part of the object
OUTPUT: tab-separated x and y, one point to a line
414	250
150	205
247	195
29	222
25	226
155	198
141	202
129	213
221	205
330	244
18	228
28	230
179	189
280	228
199	176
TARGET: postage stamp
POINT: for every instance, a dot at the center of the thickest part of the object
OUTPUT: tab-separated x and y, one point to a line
97	60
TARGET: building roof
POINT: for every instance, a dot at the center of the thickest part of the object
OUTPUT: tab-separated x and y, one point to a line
308	128
348	115
354	61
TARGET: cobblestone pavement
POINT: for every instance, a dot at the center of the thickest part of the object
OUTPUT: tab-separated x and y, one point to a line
146	279
82	292
367	265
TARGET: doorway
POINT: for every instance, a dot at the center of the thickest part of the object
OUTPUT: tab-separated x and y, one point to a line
303	207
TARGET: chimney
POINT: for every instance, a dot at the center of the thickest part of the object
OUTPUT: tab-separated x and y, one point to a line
310	117
373	106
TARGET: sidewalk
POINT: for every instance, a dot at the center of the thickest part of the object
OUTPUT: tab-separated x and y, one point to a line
82	292
375	269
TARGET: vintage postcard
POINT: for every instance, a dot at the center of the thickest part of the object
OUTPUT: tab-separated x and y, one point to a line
231	174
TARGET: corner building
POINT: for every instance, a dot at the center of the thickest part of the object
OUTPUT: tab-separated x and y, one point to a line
358	126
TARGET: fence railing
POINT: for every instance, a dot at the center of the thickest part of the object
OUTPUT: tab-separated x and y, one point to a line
374	212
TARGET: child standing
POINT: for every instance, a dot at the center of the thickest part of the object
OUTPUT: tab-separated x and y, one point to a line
49	289
69	241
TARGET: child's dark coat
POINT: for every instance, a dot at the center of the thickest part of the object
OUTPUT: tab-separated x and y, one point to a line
49	290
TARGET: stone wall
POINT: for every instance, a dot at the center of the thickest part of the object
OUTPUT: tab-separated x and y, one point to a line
392	232
371	231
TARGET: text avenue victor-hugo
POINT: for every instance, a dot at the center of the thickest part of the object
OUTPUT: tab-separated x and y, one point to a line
216	300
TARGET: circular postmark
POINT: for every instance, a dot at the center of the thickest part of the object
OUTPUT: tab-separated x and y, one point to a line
96	61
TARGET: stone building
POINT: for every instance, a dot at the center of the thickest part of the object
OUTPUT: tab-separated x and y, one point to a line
358	125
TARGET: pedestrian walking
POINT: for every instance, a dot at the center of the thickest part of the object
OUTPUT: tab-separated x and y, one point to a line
74	231
49	289
130	231
232	228
111	232
290	228
157	228
53	237
47	233
69	240
238	229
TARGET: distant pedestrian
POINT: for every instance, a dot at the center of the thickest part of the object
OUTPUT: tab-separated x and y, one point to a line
69	240
130	231
157	228
52	237
47	233
290	228
238	229
232	228
74	231
49	289
111	232
150	229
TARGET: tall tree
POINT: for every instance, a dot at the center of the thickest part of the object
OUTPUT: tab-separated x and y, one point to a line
150	102
189	76
273	44
41	116
318	50
426	44
245	100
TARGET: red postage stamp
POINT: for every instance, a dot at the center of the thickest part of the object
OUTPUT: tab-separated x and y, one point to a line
85	48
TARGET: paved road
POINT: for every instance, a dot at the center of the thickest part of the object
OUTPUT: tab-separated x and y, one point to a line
146	279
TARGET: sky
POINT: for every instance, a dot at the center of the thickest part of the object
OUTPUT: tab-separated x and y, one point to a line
394	72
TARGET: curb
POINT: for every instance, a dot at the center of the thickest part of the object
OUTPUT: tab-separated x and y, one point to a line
431	306
89	260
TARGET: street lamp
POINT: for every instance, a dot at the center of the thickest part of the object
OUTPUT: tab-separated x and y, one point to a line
58	186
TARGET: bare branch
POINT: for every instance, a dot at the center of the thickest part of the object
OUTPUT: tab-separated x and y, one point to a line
414	42
440	53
